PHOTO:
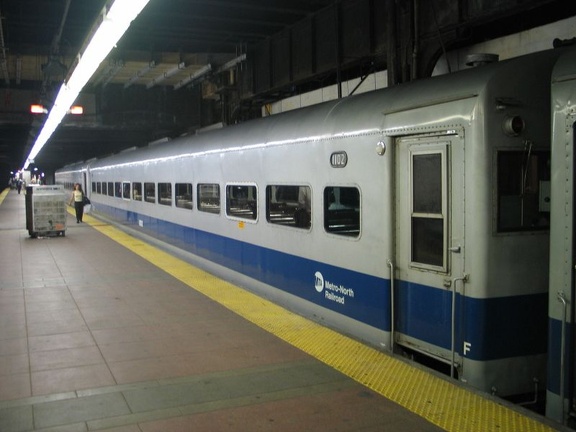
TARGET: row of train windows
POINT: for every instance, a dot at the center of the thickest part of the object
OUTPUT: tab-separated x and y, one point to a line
288	205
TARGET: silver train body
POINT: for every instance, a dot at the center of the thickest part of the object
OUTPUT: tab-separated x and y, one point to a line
561	389
415	218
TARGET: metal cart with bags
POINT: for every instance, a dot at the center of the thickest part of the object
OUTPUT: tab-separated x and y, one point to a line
46	210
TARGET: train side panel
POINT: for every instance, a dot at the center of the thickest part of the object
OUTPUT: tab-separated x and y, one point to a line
425	234
561	379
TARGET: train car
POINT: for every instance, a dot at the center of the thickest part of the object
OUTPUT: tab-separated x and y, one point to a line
415	218
560	398
73	174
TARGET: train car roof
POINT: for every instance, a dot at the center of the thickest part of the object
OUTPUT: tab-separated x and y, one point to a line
565	68
354	115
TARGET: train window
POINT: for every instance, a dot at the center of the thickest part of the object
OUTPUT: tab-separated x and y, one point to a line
342	211
126	190
150	192
98	187
208	195
93	186
165	193
241	201
428	208
183	195
118	190
523	190
288	205
110	189
137	191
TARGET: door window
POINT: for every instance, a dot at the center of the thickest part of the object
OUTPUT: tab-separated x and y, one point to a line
428	208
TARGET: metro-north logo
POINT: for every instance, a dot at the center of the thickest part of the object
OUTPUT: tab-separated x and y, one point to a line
319	284
334	292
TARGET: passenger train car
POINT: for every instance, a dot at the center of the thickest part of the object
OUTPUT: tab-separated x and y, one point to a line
415	218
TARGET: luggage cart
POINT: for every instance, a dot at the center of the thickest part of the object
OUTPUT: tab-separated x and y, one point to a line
46	210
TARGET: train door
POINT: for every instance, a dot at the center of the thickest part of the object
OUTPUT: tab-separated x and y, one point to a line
429	251
84	183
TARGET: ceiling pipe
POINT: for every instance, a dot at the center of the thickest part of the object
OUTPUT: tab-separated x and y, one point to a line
140	74
55	49
170	73
194	76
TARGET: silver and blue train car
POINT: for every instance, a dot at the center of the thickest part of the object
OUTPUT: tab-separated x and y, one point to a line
560	398
75	173
415	218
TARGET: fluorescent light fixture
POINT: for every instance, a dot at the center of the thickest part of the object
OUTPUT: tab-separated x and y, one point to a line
114	24
193	76
169	73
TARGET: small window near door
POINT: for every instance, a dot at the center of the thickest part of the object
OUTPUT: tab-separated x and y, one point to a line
523	190
428	209
342	211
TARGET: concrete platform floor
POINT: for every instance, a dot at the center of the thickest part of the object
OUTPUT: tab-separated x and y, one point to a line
94	337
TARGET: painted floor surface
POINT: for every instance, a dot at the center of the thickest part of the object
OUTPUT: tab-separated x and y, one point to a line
100	331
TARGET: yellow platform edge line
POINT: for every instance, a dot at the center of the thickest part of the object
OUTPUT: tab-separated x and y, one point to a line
435	399
3	194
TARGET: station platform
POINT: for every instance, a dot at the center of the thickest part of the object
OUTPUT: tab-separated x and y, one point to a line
100	330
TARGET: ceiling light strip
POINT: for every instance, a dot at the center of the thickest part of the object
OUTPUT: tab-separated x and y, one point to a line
115	23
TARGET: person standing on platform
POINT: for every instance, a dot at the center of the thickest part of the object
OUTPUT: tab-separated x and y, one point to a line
78	200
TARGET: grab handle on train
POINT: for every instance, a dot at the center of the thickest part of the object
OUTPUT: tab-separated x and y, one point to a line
462	279
391	265
562	299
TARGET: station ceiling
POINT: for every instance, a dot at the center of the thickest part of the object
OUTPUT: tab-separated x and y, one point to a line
167	33
169	41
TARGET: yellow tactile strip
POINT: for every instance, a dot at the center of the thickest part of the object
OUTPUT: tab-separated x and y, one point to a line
3	195
435	399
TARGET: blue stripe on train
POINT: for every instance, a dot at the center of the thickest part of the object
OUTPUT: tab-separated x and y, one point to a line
491	328
488	329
